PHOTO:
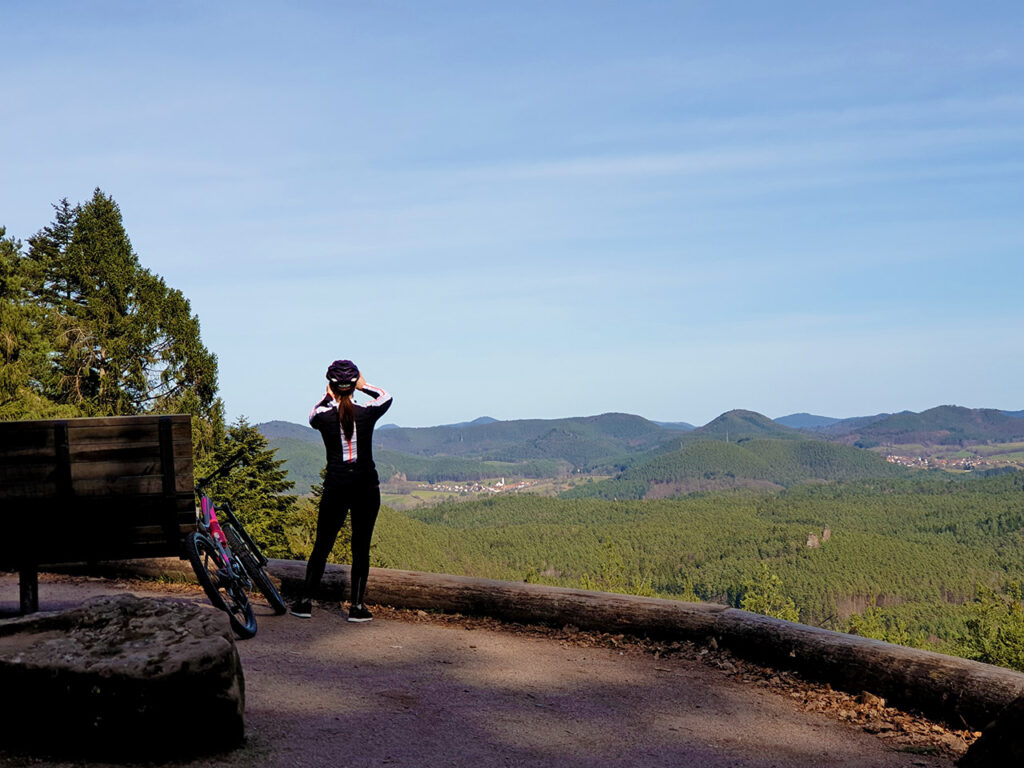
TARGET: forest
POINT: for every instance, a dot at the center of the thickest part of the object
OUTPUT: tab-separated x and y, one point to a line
932	560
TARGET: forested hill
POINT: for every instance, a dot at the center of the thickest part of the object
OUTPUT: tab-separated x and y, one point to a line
806	421
483	448
582	442
277	430
944	425
738	448
710	465
840	427
739	424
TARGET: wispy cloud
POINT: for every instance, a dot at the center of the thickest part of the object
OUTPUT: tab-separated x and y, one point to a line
883	144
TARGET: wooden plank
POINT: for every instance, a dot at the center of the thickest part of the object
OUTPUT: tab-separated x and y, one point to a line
117	552
118	451
180	433
32	489
13	490
32	468
38	442
34	472
22	445
181	422
36	438
140	509
136	467
146	532
128	485
122	434
116	421
116	519
82	539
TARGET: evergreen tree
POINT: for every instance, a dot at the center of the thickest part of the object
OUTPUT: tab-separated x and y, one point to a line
995	630
764	595
24	347
17	332
256	487
124	342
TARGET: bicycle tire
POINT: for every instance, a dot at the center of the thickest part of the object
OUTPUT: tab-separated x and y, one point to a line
256	572
220	586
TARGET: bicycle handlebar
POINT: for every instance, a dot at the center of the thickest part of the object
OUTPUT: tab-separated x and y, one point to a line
220	471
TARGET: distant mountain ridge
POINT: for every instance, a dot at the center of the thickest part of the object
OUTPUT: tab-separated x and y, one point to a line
276	430
681	426
827	426
630	446
739	424
711	465
580	441
805	421
943	425
736	422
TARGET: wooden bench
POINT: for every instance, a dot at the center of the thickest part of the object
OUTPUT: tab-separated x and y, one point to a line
83	490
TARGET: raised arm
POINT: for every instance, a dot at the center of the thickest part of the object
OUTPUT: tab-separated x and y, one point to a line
325	405
381	399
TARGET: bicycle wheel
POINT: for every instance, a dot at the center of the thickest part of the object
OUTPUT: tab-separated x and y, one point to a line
220	585
256	572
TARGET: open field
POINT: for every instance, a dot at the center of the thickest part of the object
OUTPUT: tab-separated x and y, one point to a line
404	494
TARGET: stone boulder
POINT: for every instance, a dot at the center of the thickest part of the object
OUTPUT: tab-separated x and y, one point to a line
121	675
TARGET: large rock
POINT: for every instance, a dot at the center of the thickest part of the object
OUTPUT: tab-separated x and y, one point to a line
121	675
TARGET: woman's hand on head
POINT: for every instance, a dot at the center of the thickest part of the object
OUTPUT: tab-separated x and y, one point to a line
361	382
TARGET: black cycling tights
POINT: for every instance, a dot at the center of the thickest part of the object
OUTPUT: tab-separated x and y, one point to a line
364	501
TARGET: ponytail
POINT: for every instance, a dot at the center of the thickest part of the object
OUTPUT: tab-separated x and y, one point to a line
347	415
346	410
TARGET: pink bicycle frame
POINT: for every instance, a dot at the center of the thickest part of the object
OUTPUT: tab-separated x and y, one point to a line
210	514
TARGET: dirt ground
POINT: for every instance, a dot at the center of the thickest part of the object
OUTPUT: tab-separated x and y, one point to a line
418	689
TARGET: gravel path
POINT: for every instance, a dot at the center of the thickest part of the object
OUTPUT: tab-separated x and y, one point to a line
408	689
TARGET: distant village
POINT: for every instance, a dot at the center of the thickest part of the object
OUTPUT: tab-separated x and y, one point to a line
498	487
928	462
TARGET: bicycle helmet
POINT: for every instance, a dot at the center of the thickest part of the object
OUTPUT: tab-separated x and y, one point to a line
343	375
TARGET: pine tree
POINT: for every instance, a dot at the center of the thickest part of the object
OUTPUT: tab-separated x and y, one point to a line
20	338
256	487
124	342
764	595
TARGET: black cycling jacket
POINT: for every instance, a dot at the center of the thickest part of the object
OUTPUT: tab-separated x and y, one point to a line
349	460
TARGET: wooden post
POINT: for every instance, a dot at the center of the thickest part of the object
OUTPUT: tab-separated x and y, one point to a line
170	515
28	588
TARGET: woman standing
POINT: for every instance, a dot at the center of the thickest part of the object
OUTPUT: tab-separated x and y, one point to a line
351	484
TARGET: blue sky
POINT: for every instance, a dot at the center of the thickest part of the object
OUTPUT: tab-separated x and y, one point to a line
547	209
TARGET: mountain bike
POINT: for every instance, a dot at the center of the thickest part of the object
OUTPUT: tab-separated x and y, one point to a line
227	561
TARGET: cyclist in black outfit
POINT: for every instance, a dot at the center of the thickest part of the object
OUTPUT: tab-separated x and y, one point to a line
351	482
